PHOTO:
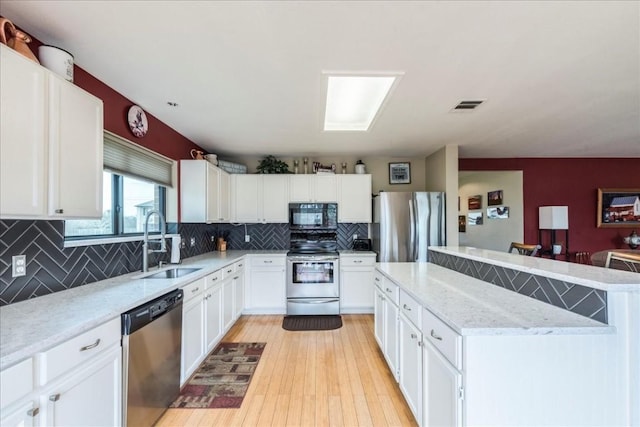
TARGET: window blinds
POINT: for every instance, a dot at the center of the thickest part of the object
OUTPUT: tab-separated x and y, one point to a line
126	158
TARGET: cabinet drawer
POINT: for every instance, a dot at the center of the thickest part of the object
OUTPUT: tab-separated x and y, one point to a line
214	278
378	279
357	261
194	288
390	289
267	261
410	308
16	382
70	354
227	271
445	339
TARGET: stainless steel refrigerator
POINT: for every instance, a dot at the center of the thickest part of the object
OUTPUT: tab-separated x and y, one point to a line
406	224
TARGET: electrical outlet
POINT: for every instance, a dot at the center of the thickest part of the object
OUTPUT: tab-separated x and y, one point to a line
18	265
355	236
193	241
213	239
247	238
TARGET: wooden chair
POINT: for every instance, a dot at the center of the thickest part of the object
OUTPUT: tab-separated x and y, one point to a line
523	249
623	261
583	258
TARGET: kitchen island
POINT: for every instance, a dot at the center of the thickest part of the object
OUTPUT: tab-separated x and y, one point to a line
504	358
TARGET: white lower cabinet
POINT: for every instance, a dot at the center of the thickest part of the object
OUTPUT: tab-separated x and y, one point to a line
410	365
90	396
76	383
356	283
24	414
386	322
442	390
193	322
208	312
213	324
238	288
266	285
228	305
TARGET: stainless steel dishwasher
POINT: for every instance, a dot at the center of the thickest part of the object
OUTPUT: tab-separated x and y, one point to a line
151	340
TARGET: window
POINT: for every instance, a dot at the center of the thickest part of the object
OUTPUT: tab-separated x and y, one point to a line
134	182
126	202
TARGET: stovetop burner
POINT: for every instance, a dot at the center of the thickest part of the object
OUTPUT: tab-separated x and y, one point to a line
318	243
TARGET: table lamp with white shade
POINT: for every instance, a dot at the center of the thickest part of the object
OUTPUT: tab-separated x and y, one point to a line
554	218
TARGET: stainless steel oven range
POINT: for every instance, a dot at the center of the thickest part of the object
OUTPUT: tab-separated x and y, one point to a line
313	284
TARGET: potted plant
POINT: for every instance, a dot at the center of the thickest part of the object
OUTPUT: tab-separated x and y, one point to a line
271	164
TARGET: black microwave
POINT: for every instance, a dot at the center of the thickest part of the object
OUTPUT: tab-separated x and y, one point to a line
313	216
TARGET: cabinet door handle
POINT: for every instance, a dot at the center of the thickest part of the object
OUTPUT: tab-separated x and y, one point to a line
434	335
419	343
193	291
358	261
59	211
237	277
388	290
268	261
33	412
406	307
377	279
229	271
414	336
54	397
213	279
90	346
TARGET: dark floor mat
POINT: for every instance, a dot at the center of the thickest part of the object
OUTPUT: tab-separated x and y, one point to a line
311	323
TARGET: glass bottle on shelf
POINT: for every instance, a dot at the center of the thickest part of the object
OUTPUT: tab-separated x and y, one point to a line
344	167
295	166
306	165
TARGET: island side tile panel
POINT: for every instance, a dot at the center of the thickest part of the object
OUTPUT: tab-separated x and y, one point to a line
579	299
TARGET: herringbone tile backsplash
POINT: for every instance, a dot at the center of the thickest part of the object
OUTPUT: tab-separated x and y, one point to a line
52	268
580	299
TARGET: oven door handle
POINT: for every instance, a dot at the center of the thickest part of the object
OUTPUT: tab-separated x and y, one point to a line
314	301
312	258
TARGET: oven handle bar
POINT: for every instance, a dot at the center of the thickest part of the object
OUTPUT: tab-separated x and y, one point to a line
313	301
312	258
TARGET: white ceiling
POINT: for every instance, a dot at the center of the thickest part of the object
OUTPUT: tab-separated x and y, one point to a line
561	79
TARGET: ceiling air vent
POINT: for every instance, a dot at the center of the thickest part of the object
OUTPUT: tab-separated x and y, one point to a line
467	105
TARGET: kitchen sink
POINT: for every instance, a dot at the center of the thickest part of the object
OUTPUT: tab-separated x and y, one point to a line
172	273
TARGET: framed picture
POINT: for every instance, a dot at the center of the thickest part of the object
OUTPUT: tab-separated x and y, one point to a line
400	173
475	202
494	198
500	212
475	218
618	207
462	223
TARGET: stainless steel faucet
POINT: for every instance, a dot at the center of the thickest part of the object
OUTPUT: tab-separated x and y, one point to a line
145	246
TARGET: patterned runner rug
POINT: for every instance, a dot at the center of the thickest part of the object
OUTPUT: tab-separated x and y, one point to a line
223	378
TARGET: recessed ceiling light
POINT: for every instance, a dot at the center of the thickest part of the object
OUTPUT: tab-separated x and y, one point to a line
354	101
172	104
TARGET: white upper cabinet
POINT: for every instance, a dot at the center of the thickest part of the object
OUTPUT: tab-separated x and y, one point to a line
354	198
259	198
51	135
204	192
313	188
75	151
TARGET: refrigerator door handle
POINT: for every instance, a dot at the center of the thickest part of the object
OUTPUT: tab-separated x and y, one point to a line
412	232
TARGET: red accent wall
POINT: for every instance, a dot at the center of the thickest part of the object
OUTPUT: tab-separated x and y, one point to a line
569	182
160	137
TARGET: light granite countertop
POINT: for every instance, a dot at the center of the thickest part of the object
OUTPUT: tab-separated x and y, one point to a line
37	324
605	279
473	307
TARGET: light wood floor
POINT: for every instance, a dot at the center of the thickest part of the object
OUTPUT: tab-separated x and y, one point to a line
316	378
